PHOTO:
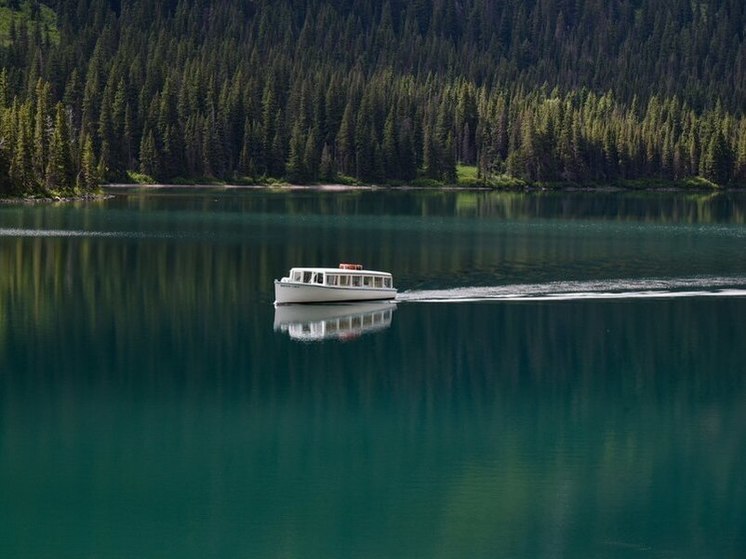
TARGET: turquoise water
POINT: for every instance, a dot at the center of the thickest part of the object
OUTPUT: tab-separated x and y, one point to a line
564	375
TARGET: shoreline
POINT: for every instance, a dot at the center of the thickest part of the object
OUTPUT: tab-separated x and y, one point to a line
110	190
31	200
335	187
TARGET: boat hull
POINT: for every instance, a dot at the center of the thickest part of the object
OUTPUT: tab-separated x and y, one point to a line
291	292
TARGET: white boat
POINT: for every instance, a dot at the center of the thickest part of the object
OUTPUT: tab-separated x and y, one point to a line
349	282
341	321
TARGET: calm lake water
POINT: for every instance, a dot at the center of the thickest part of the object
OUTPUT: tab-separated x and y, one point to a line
563	376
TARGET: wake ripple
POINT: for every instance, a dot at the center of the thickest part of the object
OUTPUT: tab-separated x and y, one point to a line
586	290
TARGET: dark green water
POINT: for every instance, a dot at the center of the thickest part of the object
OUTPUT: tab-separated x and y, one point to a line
149	408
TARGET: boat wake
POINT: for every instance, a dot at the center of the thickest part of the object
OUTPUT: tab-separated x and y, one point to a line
586	290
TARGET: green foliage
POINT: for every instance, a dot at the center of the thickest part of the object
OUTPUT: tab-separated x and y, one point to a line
59	168
376	92
467	175
88	178
139	178
30	14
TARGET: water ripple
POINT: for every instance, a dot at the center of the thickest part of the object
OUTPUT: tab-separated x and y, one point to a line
579	290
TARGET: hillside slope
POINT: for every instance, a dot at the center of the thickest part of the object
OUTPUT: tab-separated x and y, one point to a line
308	90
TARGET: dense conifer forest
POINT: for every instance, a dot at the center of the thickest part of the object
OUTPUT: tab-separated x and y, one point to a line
365	90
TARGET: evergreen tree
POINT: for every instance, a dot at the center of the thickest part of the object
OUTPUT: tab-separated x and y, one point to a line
718	160
311	155
42	128
59	172
346	140
269	132
21	170
149	164
391	164
88	178
295	169
326	164
277	152
739	172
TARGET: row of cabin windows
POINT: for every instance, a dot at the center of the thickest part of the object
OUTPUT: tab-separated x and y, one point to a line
342	280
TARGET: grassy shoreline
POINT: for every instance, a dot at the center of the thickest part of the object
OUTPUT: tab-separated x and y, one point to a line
466	181
507	184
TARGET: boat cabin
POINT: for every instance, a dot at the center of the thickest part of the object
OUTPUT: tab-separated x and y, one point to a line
342	277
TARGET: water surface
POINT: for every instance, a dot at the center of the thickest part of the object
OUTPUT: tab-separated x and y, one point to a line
582	392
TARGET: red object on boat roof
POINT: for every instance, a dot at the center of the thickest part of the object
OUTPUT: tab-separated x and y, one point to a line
345	266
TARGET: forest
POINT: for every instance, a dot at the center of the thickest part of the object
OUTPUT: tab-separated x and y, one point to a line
392	92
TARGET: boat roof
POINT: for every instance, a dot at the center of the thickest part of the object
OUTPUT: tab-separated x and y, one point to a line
338	271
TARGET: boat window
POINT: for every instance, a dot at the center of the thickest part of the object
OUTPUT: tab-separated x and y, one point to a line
387	282
306	277
344	280
331	279
378	281
318	278
355	281
367	281
296	276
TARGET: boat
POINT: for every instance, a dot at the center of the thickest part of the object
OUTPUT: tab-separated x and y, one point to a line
348	282
333	321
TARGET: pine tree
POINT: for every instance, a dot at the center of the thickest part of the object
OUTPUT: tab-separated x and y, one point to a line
311	155
268	132
59	172
326	164
346	140
277	152
364	141
295	169
443	142
107	140
718	160
448	174
149	164
407	163
21	170
210	147
739	171
391	164
42	129
246	164
88	178
127	155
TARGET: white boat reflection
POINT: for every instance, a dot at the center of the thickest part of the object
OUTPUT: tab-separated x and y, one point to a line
341	321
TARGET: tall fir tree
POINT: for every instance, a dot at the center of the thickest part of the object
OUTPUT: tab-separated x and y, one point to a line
59	172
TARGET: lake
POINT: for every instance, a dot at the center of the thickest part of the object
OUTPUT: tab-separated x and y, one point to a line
564	375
